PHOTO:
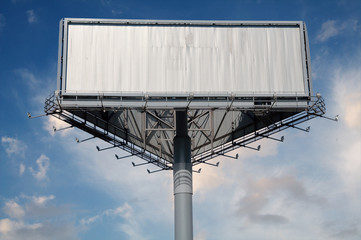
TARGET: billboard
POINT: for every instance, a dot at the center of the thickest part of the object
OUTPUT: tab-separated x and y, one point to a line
176	58
180	93
123	80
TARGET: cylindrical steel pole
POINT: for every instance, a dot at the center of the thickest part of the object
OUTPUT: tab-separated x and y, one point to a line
182	177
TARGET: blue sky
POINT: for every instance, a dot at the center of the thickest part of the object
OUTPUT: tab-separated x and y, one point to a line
308	187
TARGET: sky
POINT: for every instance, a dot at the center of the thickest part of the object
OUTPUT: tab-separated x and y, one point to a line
308	187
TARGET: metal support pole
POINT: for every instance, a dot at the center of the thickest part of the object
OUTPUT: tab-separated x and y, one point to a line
182	177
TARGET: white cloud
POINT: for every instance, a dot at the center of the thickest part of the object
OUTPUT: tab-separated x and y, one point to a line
212	177
347	103
138	191
35	221
43	163
106	2
53	125
32	18
133	230
333	28
117	12
201	236
7	226
260	192
41	200
38	207
13	146
89	220
128	224
14	230
124	211
329	29
336	154
14	210
21	169
347	91
345	230
28	77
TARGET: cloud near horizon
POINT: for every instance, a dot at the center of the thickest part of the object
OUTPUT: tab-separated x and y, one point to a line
27	221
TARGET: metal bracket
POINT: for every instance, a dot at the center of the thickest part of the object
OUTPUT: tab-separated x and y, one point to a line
198	171
146	97
102	149
159	170
118	158
190	98
272	138
211	164
101	102
57	130
80	141
332	119
256	149
31	117
141	164
222	154
230	106
305	130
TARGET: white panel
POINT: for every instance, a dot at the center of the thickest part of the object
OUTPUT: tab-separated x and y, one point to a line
183	59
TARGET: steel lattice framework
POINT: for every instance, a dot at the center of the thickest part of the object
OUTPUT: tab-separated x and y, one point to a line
148	133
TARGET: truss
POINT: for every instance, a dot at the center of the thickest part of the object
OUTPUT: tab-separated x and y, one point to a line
148	133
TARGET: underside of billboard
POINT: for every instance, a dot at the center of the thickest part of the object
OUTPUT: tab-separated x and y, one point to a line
123	80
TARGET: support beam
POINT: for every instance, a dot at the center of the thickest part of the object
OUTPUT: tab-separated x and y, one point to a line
182	177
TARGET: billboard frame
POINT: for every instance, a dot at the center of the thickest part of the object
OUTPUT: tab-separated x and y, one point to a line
180	100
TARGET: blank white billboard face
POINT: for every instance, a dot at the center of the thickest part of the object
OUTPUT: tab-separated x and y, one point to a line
180	59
